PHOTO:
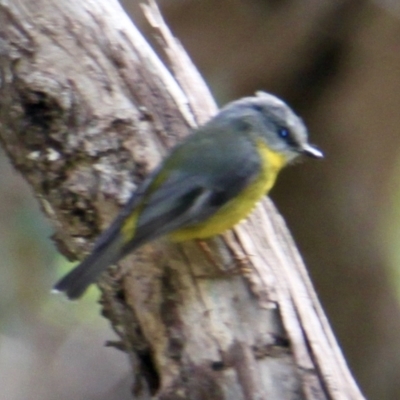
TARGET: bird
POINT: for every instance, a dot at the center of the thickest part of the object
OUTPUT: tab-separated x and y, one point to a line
207	183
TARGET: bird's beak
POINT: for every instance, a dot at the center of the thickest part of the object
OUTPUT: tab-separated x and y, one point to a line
311	151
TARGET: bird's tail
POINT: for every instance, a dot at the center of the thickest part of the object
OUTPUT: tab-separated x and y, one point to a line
104	254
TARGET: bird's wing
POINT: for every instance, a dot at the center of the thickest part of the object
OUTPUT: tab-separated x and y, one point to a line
185	199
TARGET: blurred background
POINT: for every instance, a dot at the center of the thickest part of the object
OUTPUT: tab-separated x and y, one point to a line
338	64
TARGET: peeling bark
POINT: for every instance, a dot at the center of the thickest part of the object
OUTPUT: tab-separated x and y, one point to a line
86	110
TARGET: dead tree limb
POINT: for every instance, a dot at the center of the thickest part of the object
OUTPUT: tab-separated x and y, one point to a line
86	110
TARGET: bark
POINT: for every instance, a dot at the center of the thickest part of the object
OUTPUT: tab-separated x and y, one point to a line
86	110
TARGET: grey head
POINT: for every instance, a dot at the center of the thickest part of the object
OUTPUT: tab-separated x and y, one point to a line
269	117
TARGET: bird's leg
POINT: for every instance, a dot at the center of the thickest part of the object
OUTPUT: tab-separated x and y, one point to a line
241	263
209	254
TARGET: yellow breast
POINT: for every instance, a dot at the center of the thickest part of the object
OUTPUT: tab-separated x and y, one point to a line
238	208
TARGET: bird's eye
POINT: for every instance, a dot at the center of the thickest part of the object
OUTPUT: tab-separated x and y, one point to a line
258	108
283	133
